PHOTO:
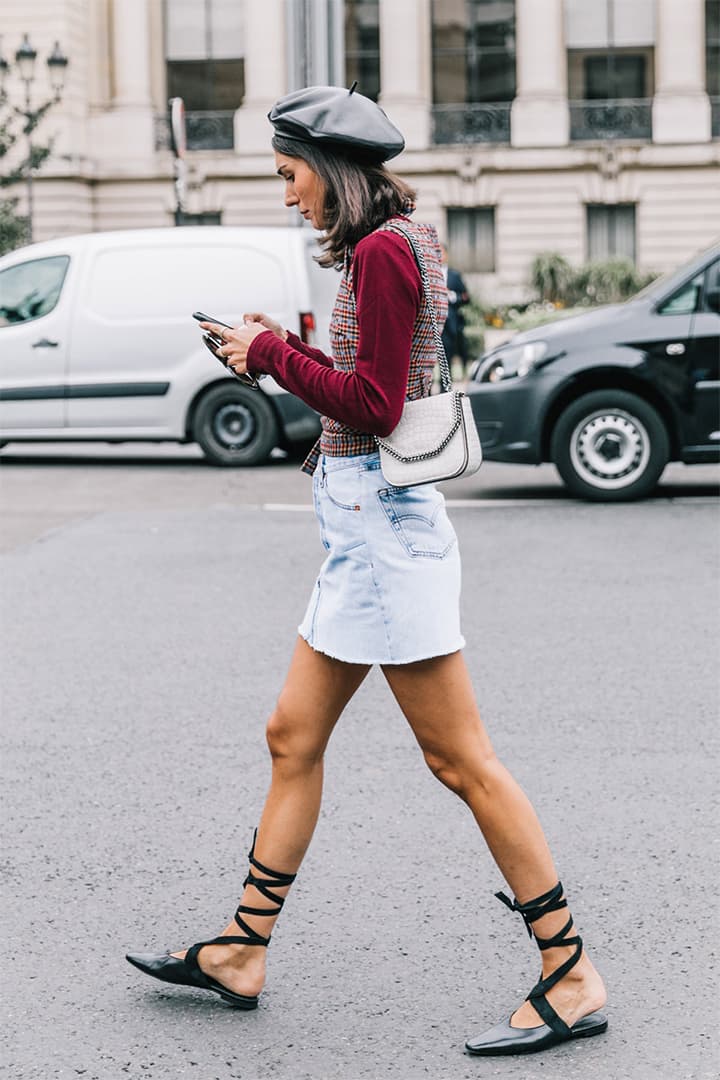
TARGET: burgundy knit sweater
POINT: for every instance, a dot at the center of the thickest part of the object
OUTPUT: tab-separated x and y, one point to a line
388	294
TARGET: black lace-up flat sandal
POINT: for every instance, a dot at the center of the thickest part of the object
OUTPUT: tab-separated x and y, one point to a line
187	972
504	1038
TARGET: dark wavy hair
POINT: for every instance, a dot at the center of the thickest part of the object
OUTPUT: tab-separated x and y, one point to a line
358	196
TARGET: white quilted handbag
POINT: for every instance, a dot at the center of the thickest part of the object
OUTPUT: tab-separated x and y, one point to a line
436	438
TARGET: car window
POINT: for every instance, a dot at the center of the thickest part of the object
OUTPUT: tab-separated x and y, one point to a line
31	289
712	285
685	300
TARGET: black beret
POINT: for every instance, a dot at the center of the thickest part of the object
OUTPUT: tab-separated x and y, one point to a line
338	118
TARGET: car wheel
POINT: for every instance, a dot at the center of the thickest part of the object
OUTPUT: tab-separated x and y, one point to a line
235	426
610	446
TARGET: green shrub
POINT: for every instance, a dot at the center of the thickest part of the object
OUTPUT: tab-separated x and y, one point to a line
551	277
608	281
603	281
539	314
13	228
560	290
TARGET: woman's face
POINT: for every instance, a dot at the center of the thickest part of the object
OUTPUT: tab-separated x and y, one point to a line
303	188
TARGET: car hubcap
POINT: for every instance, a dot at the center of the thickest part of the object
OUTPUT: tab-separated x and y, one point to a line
610	449
233	425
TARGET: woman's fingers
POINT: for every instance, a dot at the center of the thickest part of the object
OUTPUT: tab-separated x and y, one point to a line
236	342
237	364
259	317
215	328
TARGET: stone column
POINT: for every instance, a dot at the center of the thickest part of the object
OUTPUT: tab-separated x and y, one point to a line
681	107
405	77
131	54
540	114
125	133
265	73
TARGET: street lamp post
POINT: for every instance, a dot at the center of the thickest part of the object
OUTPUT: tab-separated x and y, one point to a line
25	57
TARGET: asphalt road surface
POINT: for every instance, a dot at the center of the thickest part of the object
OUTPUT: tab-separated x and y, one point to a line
148	613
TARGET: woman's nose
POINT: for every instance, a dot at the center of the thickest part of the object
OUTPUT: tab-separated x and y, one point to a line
291	198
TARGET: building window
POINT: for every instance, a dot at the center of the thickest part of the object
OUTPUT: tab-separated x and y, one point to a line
610	67
473	46
712	61
614	75
362	46
204	48
207	217
471	238
611	231
473	64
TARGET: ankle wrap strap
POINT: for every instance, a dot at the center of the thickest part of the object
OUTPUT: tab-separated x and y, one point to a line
531	911
272	879
264	885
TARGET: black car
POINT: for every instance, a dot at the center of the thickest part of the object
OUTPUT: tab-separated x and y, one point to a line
612	395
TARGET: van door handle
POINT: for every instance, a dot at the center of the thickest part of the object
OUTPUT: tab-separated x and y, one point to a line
45	343
675	348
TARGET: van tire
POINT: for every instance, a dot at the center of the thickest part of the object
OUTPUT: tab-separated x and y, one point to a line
610	446
235	426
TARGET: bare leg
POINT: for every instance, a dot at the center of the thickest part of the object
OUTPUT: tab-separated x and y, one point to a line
316	691
438	701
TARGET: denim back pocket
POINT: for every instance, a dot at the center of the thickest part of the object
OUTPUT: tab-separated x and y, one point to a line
417	517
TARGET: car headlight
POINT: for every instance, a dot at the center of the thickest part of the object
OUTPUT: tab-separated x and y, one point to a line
511	361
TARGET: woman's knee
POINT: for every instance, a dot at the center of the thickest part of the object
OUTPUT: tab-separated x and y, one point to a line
289	740
465	773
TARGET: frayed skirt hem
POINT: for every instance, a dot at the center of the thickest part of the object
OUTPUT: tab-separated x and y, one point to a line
384	659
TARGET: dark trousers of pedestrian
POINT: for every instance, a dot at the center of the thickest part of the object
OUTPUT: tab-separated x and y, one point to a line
455	344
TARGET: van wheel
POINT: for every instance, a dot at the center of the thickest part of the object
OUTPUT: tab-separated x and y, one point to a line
235	426
610	446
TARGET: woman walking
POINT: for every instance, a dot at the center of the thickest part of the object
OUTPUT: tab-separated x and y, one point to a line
388	591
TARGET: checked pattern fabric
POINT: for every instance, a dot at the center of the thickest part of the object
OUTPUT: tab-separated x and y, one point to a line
338	439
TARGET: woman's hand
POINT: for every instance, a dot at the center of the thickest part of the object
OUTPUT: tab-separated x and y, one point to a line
236	341
267	322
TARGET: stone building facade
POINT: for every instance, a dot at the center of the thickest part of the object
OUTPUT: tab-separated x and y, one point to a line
587	127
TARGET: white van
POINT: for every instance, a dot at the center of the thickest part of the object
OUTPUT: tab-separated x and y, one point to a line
97	339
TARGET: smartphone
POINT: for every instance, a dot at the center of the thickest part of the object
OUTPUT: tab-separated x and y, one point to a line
202	317
213	342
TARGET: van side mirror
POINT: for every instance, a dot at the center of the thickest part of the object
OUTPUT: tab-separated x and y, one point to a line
712	298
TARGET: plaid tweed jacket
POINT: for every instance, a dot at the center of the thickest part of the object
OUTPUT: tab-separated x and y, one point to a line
337	439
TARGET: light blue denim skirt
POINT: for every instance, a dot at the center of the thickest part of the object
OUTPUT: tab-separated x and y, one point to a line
389	589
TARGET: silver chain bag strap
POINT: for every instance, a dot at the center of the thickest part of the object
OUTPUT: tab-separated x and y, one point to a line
436	438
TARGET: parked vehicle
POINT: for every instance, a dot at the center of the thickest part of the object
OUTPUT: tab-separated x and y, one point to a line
612	395
97	340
